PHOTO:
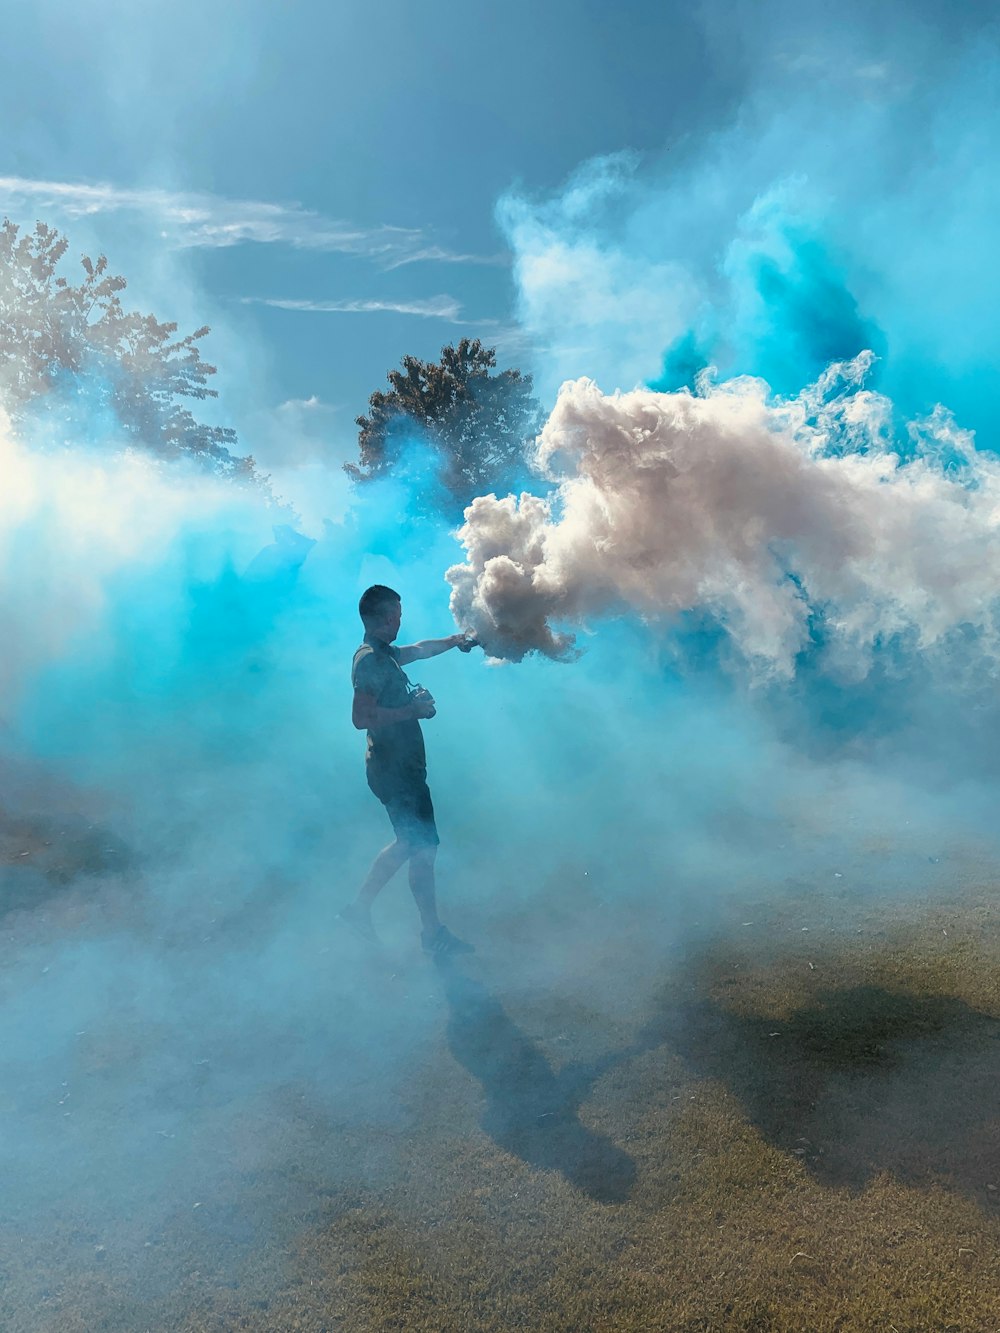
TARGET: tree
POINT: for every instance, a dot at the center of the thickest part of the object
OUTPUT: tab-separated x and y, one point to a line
56	338
479	423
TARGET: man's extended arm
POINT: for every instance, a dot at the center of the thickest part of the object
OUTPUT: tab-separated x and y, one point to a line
416	652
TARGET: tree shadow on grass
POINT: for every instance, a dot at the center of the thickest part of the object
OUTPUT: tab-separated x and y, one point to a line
862	1080
532	1111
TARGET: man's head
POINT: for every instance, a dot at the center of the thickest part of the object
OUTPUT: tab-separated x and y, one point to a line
381	610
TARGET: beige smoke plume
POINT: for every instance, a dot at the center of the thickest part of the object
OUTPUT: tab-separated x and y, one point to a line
757	513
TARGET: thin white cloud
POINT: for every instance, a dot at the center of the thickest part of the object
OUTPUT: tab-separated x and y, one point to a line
208	221
312	404
876	72
437	255
435	307
830	67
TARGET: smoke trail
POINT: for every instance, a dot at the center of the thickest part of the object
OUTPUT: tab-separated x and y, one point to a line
766	514
837	524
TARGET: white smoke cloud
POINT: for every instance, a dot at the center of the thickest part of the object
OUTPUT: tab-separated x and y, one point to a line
757	512
588	295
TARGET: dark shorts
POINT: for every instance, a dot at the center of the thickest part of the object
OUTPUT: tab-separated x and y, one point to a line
408	804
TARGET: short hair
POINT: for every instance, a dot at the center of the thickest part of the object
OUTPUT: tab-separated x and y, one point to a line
375	600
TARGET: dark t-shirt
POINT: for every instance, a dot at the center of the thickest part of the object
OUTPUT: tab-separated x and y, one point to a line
397	750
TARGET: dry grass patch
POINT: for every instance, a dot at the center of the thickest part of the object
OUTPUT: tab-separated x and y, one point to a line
800	1133
794	1130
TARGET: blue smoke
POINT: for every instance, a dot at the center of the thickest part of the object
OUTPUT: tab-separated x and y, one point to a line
793	311
178	728
182	1020
790	312
849	206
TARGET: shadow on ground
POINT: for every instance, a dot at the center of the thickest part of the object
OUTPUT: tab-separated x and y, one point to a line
532	1111
861	1080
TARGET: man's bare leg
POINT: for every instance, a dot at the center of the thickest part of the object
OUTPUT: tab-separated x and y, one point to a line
423	888
383	868
358	915
436	939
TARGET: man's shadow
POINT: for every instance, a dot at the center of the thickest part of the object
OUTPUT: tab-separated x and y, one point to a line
859	1081
532	1111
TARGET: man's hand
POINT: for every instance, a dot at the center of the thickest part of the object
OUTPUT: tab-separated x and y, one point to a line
422	703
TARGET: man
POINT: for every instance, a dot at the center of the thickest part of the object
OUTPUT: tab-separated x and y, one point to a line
390	709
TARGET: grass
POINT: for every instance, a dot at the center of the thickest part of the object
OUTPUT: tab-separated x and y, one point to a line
797	1137
794	1130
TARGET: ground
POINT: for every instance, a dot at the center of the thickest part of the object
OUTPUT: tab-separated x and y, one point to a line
786	1120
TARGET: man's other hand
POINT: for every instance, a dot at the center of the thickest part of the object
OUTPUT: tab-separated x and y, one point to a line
423	704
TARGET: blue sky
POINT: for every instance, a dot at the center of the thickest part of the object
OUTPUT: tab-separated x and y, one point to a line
320	181
348	118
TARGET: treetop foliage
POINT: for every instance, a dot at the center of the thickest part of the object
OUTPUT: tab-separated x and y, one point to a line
53	335
480	423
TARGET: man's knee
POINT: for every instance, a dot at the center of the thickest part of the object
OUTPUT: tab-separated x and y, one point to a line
409	849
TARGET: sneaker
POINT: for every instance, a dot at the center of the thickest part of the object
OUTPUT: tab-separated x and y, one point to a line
357	919
441	942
